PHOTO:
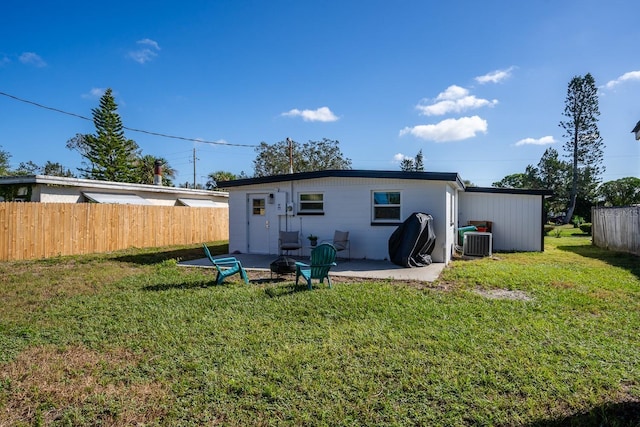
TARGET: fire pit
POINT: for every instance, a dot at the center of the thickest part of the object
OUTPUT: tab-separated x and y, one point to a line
283	265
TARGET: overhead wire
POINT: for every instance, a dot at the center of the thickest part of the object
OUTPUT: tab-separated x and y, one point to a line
57	110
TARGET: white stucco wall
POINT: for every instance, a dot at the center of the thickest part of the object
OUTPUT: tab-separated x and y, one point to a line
347	207
517	219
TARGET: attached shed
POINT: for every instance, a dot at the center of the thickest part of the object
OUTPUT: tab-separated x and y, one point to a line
517	216
368	204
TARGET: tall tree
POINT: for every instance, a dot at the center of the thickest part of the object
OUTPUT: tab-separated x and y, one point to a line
584	145
215	177
273	159
416	164
621	192
28	168
56	169
407	164
529	179
109	155
145	170
4	162
554	174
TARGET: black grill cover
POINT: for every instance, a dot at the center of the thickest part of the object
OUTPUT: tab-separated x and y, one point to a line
412	242
283	265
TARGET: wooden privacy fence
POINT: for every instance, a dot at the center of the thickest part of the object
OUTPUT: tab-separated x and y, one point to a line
617	229
41	230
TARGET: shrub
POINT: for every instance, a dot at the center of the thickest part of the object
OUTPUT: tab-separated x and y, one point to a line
586	227
577	220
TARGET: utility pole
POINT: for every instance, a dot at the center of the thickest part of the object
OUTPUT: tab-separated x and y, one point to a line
290	154
194	167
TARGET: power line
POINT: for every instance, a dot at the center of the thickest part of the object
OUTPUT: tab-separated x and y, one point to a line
128	128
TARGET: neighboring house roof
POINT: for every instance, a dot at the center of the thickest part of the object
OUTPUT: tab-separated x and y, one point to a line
201	203
120	199
345	173
105	185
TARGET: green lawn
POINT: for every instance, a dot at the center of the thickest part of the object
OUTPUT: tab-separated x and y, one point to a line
132	339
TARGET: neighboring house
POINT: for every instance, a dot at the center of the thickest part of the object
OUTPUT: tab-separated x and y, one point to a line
371	204
636	131
54	189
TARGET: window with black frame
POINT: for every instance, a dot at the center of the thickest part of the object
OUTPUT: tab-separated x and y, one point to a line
311	204
386	207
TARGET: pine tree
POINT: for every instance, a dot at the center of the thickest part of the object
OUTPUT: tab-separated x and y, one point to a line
413	165
584	145
419	162
110	156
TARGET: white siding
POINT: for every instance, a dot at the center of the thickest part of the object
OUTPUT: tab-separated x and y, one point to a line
517	219
347	207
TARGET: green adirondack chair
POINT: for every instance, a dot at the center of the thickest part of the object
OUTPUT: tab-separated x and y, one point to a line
323	257
226	267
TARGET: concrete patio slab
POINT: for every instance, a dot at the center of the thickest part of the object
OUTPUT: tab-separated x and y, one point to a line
357	268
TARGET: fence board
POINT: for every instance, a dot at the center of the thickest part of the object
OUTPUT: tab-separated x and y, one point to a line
617	229
41	230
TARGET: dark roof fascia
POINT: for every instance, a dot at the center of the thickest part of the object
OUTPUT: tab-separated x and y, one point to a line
345	173
523	191
637	128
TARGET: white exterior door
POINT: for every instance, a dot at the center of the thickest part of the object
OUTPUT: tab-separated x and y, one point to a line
258	238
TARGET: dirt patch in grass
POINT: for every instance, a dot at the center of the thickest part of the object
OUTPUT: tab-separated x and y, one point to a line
46	384
503	294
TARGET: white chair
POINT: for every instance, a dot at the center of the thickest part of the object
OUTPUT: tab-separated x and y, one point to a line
289	241
341	242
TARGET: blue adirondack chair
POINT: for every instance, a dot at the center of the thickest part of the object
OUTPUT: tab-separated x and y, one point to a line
226	267
323	257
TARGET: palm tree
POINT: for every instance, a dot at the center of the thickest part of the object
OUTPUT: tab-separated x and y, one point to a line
146	170
214	177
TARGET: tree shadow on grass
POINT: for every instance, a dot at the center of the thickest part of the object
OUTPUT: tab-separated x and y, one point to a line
282	291
209	284
616	259
621	414
161	287
183	254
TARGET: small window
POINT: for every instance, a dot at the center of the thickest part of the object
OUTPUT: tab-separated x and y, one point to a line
386	206
311	203
258	207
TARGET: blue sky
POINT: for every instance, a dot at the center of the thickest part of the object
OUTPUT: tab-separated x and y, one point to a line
479	87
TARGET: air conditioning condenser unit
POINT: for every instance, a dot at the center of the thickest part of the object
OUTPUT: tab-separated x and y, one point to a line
477	244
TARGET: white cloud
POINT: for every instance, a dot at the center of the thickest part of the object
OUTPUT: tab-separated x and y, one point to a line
31	58
545	140
322	114
452	92
495	76
4	61
95	92
399	157
149	42
631	75
454	99
148	50
449	129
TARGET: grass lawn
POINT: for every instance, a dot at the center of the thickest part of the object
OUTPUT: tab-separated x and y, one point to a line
130	338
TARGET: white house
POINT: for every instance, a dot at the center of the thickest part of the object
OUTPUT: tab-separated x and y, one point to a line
55	189
371	204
